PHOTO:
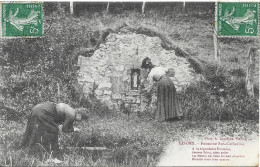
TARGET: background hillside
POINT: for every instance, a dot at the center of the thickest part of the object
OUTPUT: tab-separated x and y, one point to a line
40	69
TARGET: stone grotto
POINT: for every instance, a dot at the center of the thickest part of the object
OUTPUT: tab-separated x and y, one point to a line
113	73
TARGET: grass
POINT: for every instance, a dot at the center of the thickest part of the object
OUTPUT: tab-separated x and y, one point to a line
132	141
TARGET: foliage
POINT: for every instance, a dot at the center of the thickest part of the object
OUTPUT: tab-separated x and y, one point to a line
218	98
45	68
131	141
42	69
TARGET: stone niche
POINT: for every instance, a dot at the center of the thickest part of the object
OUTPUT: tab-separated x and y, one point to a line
114	70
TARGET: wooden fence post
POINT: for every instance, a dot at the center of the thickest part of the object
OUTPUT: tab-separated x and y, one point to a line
216	49
250	72
71	7
143	7
107	7
183	6
58	87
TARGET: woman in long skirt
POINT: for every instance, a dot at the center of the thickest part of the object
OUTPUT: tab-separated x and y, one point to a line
167	103
42	126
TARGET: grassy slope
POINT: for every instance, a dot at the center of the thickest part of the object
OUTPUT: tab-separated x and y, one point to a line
138	137
131	140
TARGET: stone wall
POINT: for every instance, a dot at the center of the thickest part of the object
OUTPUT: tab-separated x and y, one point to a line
110	69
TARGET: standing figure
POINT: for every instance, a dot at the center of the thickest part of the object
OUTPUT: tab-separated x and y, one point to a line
167	103
42	126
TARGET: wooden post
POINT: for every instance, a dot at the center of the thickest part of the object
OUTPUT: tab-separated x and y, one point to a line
107	7
143	7
71	7
250	73
216	49
183	6
40	95
58	86
88	148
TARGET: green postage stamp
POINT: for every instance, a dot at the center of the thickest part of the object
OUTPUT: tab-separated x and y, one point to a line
237	19
21	19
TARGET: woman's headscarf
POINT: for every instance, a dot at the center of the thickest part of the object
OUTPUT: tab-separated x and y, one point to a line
65	108
147	63
71	111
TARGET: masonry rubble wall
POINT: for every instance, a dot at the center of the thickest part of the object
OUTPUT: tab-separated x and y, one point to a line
110	68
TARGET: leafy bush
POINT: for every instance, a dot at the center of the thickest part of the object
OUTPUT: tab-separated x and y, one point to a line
218	98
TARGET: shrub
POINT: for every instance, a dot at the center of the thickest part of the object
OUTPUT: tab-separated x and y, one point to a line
238	72
218	98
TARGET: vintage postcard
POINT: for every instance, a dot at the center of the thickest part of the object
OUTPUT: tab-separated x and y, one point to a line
129	83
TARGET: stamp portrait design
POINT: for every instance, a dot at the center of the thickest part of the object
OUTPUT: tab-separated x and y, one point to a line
237	19
21	19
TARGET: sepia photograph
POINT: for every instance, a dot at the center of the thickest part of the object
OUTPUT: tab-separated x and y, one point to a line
129	83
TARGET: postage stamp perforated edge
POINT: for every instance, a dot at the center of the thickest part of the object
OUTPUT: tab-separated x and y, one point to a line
22	2
1	19
231	36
